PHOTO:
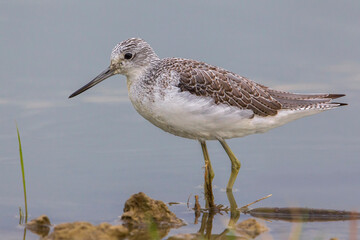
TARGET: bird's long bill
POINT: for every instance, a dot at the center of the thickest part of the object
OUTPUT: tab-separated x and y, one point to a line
99	78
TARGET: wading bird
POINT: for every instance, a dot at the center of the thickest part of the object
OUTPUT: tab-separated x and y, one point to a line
199	101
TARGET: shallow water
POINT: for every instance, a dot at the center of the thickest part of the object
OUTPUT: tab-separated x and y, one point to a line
85	156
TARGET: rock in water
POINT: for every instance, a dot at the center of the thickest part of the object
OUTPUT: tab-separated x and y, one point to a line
141	210
250	228
39	226
86	231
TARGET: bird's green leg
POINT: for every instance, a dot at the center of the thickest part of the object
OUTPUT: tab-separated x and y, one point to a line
209	175
234	212
235	165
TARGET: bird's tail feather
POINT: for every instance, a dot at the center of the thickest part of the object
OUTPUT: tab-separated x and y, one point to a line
293	100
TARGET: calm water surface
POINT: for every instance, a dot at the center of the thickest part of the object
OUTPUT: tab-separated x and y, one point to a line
86	156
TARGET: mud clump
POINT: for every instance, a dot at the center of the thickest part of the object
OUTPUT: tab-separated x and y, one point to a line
86	231
39	226
250	228
141	210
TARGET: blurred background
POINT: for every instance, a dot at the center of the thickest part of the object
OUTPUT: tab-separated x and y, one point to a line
85	156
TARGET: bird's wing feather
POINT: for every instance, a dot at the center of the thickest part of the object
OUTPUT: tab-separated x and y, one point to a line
227	88
295	100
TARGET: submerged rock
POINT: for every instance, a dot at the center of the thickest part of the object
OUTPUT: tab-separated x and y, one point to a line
187	236
86	231
250	228
141	210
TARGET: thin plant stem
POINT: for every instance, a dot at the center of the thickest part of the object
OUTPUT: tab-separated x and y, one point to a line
22	172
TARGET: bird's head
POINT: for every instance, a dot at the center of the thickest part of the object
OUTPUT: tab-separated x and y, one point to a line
130	58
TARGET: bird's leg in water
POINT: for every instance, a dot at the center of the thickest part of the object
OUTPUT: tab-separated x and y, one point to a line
209	175
234	212
235	165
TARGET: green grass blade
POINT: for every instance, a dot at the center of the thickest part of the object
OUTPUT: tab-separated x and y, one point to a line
23	172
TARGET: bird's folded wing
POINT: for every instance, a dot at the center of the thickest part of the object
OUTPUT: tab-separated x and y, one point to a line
228	88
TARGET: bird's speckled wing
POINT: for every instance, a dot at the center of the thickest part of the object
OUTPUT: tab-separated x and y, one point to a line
224	87
229	88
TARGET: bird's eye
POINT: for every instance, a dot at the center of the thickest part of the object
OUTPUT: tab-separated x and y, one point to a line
128	56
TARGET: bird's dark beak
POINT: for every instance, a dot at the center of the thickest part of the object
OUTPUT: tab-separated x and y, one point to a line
101	77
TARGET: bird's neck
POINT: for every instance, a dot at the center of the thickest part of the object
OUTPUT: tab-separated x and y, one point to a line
136	73
135	77
141	73
141	70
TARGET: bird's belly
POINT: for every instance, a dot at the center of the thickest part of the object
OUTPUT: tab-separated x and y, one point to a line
190	116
